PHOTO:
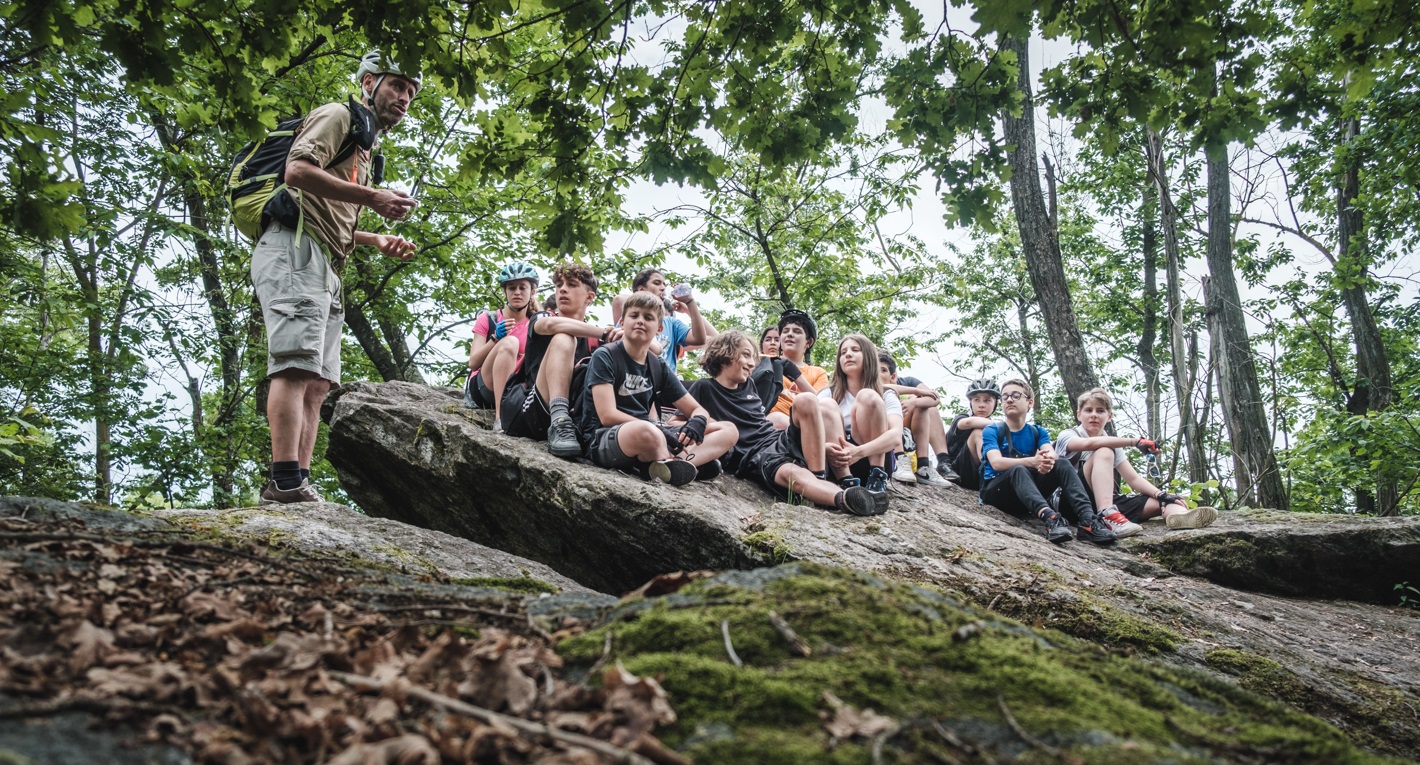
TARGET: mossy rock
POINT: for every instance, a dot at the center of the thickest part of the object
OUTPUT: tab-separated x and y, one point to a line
923	658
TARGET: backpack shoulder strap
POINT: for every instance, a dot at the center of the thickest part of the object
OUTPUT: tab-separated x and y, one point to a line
1003	436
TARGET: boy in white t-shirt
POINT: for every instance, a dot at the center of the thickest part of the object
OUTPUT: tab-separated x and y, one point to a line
1101	462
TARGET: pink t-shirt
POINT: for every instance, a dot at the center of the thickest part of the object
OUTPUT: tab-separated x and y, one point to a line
485	324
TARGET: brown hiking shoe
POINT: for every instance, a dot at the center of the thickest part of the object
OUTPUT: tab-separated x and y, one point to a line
303	493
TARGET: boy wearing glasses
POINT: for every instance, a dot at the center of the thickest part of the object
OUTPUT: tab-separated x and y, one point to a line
1019	469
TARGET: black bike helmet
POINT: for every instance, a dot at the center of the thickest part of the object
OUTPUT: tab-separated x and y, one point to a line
983	385
795	316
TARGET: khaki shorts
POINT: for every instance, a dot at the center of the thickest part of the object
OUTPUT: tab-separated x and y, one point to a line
301	302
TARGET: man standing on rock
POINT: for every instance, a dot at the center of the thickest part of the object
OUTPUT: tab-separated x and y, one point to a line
295	268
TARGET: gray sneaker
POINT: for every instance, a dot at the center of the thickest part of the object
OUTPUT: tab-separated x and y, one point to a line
928	477
562	438
303	493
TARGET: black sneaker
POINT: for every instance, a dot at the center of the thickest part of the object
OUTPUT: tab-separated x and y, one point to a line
944	470
877	486
708	471
562	438
674	472
858	501
1092	529
1056	529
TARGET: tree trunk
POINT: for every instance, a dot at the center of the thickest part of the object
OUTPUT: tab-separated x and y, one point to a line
1184	377
1372	390
1149	332
1254	463
371	342
1040	245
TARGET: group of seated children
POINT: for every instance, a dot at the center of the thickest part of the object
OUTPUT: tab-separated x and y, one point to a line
763	413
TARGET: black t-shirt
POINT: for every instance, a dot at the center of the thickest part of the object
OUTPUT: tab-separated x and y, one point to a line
635	391
956	437
740	406
537	348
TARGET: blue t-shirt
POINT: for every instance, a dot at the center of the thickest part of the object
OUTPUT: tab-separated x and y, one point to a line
672	339
1027	441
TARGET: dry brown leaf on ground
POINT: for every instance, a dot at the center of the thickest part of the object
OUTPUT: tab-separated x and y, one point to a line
666	584
448	648
158	681
404	750
639	704
288	652
200	604
495	679
88	644
848	722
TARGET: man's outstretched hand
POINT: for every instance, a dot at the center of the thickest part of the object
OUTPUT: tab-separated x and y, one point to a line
395	246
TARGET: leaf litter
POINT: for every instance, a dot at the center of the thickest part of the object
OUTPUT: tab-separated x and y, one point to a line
238	656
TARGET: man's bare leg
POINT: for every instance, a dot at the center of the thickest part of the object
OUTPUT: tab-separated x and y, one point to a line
316	391
286	414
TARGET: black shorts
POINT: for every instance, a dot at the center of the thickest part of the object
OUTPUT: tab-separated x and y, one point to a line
968	469
1131	505
861	468
525	414
762	465
477	394
605	452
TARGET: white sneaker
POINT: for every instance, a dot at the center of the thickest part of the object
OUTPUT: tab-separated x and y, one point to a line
929	477
903	472
1196	518
1123	527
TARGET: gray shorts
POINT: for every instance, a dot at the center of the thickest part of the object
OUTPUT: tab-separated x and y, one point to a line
301	302
606	452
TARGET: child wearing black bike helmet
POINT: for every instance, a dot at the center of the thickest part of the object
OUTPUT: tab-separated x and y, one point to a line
797	334
963	457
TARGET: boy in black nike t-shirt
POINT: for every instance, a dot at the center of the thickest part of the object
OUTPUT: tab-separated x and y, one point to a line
623	382
785	462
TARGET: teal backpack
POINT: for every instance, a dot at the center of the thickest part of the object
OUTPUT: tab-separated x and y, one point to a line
258	174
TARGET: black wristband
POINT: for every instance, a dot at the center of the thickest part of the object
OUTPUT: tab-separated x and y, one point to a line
792	371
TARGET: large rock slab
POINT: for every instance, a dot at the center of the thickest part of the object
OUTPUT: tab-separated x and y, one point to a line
1303	554
331	529
411	453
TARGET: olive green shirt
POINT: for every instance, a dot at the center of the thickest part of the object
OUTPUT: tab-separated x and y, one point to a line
331	222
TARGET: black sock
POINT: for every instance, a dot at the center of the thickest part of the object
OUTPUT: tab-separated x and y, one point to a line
943	459
306	473
557	407
287	475
822	475
840	501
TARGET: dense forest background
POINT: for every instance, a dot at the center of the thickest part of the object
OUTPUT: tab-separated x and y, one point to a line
1148	214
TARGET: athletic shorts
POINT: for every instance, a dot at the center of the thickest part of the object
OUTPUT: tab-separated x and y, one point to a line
525	414
605	452
761	466
1131	505
967	468
301	303
477	394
